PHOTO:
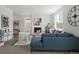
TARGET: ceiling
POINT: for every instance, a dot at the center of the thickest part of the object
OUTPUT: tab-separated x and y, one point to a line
34	9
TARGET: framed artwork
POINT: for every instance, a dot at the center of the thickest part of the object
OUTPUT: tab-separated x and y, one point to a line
37	21
4	21
16	23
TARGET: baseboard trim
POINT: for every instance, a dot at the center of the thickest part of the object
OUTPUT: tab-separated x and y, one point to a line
56	50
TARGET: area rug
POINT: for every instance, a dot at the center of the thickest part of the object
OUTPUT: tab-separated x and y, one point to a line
22	43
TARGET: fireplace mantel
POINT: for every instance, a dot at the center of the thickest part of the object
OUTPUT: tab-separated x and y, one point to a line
37	26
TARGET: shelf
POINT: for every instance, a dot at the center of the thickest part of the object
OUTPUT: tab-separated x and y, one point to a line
37	26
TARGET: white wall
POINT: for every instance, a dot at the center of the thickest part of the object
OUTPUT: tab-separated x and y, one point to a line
67	27
52	18
7	12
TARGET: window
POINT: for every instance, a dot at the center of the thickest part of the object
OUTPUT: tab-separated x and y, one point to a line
59	22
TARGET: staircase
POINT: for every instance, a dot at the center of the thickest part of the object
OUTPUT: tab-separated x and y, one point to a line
10	42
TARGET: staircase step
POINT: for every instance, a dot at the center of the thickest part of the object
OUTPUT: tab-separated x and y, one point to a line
10	42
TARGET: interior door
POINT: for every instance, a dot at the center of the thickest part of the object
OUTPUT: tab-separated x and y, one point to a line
28	25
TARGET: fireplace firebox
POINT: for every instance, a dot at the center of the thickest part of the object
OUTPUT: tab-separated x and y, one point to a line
37	29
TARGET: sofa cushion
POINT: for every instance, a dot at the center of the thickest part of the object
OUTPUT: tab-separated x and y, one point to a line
65	35
48	35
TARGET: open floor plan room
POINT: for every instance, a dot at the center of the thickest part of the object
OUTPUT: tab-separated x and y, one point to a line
39	29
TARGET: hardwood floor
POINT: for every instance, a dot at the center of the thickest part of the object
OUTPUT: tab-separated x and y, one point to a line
15	50
25	49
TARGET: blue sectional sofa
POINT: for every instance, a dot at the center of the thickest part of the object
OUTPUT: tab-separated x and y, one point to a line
57	42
